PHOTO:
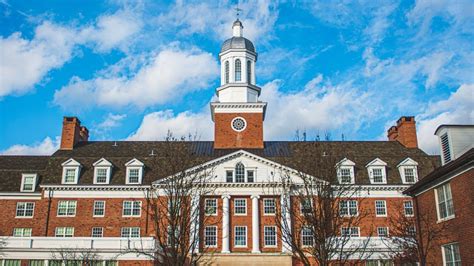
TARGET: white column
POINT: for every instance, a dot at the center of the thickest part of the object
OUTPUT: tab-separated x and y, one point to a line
225	224
286	221
255	225
194	232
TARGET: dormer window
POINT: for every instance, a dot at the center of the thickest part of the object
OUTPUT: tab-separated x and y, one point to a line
28	183
408	171
102	171
134	172
345	171
71	170
376	171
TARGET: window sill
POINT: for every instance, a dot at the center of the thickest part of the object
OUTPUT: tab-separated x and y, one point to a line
269	214
240	214
65	216
446	219
23	217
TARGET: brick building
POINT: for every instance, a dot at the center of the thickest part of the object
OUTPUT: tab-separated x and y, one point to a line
445	197
95	195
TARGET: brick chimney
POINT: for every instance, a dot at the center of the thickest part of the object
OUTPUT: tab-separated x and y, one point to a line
404	132
72	133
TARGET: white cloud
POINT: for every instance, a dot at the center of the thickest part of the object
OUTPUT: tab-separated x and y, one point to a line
26	62
46	147
166	76
457	109
156	125
215	19
110	122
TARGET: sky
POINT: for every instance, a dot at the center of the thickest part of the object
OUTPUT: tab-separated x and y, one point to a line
132	70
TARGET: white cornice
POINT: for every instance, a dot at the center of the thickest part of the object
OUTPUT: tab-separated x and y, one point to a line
95	187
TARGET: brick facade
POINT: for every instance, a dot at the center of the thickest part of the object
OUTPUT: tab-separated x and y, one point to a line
227	138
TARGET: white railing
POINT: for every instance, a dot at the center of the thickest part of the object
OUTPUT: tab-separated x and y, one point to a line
104	243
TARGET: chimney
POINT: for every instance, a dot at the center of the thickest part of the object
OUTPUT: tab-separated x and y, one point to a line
72	133
404	132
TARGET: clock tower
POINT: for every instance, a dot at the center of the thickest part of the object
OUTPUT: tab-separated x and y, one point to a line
238	114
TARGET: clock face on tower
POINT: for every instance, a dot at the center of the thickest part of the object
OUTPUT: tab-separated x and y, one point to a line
238	124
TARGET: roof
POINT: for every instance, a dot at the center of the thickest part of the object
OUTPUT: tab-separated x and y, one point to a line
442	173
12	168
238	43
156	157
451	126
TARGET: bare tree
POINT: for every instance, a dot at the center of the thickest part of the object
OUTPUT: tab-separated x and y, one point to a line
75	256
174	205
323	217
413	238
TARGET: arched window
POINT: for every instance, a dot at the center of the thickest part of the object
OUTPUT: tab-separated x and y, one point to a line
249	72
226	72
238	70
239	173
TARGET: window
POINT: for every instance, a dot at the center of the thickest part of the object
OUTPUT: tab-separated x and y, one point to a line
239	173
240	236
444	202
238	124
99	208
173	236
269	207
229	176
130	232
445	148
238	70
409	174
451	255
226	72
28	183
382	231
36	263
67	208
307	239
70	176
22	232
350	231
249	71
240	206
133	176
345	176
306	206
379	263
408	207
97	232
377	175
211	206
101	175
380	208
210	236
250	176
132	208
134	172
411	230
25	209
269	236
64	232
348	208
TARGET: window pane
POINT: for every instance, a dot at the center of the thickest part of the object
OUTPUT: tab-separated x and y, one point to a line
210	235
239	173
250	177
240	236
101	175
211	206
238	70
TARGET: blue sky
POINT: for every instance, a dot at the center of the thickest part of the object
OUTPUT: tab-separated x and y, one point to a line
134	70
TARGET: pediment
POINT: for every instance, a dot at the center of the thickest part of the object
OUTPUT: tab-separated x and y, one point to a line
408	162
71	162
134	162
376	162
266	171
102	162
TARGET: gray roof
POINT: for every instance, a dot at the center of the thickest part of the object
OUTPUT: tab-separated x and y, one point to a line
238	43
158	166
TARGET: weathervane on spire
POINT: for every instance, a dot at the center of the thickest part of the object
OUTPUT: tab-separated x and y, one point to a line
237	11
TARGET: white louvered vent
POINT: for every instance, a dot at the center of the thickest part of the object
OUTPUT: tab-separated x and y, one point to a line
445	148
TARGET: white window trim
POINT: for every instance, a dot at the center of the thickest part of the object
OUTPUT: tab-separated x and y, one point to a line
64	235
412	206
443	252
23	231
312	236
66	215
134	164
71	164
205	207
240	214
276	236
311	207
25	217
246	235
388	232
349	209
131	215
107	176
377	164
93	209
350	231
92	232
217	236
385	207
274	204
130	232
407	164
438	215
346	164
23	177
